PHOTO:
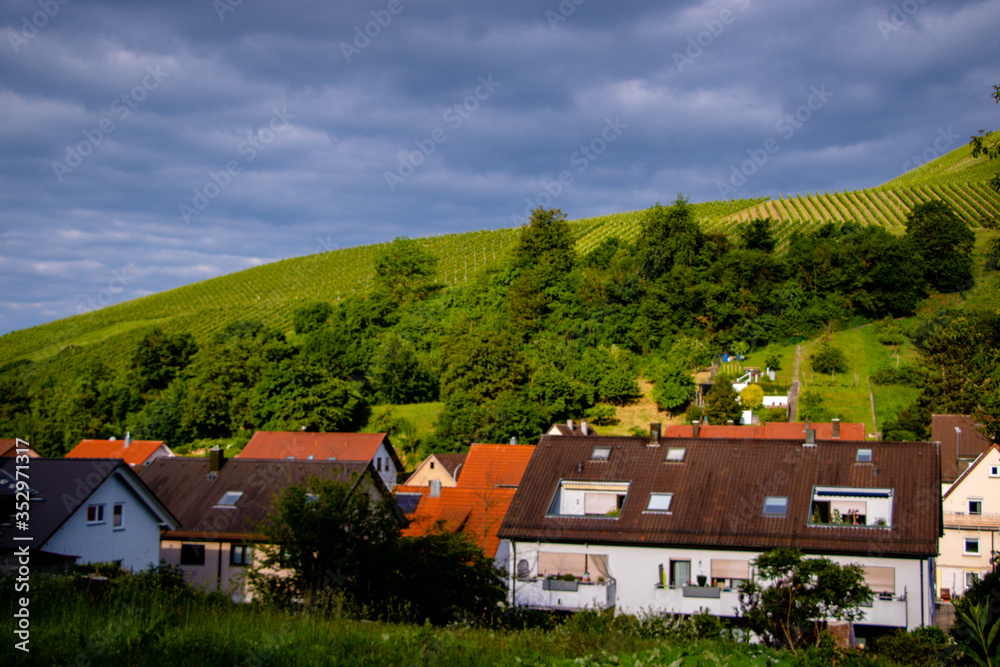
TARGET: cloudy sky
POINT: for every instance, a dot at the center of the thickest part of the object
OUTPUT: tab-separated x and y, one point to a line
145	145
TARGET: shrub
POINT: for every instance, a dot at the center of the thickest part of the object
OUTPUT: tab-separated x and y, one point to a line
602	414
907	375
828	359
693	413
772	359
923	646
752	396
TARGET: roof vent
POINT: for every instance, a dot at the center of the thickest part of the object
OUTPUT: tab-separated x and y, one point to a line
435	488
128	439
513	440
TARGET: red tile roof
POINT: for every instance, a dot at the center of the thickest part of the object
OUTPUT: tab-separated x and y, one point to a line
719	489
487	466
321	446
134	454
768	431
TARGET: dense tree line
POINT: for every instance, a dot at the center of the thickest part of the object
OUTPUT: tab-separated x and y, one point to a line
543	336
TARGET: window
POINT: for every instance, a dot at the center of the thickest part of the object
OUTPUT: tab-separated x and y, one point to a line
95	513
776	506
229	499
864	456
975	506
851	506
971	578
593	499
994	471
310	457
192	554
378	463
432	468
660	502
680	573
600	453
118	516
972	546
240	555
290	458
676	454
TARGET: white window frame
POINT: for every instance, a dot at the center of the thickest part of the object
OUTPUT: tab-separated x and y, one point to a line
605	451
864	455
98	514
234	498
971	500
676	454
668	497
972	540
774	502
994	471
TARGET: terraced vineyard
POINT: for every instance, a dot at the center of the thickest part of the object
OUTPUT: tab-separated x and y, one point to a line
272	292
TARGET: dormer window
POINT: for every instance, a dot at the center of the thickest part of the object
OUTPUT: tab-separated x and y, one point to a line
588	499
864	456
776	506
676	454
847	506
660	502
229	499
601	453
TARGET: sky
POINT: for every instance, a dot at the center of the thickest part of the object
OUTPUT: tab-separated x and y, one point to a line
146	145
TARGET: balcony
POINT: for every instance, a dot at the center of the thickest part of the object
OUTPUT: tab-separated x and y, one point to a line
886	610
692	599
564	595
962	520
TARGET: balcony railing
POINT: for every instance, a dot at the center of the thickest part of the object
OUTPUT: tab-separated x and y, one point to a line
564	595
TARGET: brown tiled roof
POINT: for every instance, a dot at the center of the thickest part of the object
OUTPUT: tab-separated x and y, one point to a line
577	429
719	492
184	485
452	463
321	446
134	453
954	447
8	447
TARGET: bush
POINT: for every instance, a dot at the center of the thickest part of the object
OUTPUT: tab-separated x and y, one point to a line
907	375
693	413
773	415
602	414
772	359
752	396
924	646
828	359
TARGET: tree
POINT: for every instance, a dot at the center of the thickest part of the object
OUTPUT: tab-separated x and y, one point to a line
721	405
944	243
811	407
311	316
673	386
790	598
405	271
619	387
159	357
757	235
670	236
398	375
977	629
828	358
752	396
329	534
296	394
984	145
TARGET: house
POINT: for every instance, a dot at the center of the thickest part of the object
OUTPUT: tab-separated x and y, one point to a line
571	428
445	468
962	442
834	430
132	452
10	447
220	504
477	504
78	511
971	525
639	520
357	447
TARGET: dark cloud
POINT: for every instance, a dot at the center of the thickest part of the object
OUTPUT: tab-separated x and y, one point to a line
276	126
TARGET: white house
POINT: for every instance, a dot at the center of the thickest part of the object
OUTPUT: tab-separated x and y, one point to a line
971	525
642	523
80	511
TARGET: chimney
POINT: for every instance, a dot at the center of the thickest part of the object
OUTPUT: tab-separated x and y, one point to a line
696	428
216	459
435	488
584	428
654	434
836	428
513	440
570	425
128	439
730	422
811	437
807	424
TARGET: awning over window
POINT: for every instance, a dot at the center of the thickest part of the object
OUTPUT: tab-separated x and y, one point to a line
847	506
608	487
730	569
575	564
881	579
599	503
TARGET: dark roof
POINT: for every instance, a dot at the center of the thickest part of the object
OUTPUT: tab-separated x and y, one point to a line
60	486
184	485
719	490
575	430
452	463
957	450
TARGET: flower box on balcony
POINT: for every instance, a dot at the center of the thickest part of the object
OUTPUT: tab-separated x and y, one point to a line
559	585
702	592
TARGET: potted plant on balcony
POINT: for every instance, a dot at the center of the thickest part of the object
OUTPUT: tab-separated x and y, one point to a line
701	590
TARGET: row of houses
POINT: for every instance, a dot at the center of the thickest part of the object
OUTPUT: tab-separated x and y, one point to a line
670	522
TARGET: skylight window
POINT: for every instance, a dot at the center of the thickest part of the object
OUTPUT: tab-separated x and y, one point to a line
229	499
864	456
776	506
600	453
676	454
660	502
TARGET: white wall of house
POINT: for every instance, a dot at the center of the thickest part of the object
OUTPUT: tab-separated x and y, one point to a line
971	526
136	542
384	465
215	574
638	587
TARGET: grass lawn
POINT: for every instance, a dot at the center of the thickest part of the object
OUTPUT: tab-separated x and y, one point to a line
640	414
